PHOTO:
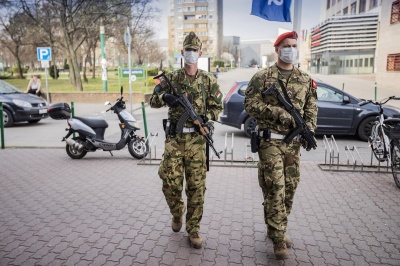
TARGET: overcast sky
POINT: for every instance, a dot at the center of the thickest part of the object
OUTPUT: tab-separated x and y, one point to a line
238	21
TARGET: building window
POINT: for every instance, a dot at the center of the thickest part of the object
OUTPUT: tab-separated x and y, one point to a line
188	1
373	4
341	63
395	13
345	11
347	63
363	6
201	8
371	61
210	17
360	62
353	9
351	63
393	62
366	62
355	63
328	4
333	2
201	1
179	1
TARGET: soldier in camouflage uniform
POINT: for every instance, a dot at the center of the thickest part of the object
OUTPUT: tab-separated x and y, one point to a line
184	154
279	165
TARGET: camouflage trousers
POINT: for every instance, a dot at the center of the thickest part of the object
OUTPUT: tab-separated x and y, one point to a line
278	176
184	157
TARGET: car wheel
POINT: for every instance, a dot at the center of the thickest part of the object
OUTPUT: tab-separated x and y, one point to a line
34	121
249	125
7	118
364	129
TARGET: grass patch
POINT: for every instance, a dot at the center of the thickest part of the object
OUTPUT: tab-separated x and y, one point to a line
62	84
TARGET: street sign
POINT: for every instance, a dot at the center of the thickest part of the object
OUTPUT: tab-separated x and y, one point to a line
45	63
139	72
127	37
133	78
44	53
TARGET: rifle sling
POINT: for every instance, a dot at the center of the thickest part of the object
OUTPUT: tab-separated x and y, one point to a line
285	92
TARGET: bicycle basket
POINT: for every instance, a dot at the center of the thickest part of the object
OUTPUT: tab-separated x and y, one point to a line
394	131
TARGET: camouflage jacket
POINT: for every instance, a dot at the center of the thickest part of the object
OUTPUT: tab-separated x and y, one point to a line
301	90
203	90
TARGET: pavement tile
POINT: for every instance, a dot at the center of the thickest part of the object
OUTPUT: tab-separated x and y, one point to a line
92	219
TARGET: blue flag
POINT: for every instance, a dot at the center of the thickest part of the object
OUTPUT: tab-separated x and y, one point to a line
274	10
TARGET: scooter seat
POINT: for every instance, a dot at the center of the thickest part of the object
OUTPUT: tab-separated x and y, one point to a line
93	122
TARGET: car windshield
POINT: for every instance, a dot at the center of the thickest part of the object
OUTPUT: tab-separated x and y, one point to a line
6	88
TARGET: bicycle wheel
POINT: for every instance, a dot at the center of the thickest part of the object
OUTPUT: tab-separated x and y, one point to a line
395	152
378	143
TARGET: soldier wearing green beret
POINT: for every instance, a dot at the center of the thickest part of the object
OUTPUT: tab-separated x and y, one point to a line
279	164
184	155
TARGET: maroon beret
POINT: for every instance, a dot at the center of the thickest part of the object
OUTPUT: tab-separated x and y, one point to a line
291	35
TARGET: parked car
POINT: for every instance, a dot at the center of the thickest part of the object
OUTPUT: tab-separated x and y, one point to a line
19	106
338	112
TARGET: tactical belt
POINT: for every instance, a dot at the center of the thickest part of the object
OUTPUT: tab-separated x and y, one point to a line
189	130
266	134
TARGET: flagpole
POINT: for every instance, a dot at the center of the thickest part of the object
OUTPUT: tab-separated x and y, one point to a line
297	20
297	16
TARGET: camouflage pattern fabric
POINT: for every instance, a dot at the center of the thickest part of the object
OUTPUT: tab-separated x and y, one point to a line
278	177
194	92
265	110
278	168
192	41
184	155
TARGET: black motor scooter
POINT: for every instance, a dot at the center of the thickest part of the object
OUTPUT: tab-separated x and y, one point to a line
91	131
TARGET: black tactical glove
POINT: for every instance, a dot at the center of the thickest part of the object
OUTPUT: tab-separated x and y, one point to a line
205	118
307	145
170	99
157	89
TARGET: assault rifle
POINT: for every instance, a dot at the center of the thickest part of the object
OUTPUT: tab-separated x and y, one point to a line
190	113
302	128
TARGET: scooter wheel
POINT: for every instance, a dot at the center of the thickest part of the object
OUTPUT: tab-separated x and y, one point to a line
73	153
138	148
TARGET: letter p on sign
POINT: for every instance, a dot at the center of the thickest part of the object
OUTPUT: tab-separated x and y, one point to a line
44	53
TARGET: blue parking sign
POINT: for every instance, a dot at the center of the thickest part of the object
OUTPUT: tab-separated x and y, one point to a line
44	53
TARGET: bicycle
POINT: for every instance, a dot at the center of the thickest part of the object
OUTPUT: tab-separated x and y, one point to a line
385	138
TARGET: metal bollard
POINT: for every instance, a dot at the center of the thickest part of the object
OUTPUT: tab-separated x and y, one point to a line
73	115
144	122
2	126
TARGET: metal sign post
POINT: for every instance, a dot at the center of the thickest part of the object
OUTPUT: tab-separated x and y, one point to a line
44	56
45	65
127	39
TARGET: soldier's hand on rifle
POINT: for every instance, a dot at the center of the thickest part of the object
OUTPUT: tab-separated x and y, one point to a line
170	99
282	116
307	145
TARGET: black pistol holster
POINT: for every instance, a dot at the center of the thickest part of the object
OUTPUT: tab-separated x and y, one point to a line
254	142
169	128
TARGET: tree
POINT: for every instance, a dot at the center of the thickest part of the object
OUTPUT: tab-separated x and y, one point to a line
14	27
68	24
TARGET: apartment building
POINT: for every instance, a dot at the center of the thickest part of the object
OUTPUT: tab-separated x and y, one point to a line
204	17
388	46
345	42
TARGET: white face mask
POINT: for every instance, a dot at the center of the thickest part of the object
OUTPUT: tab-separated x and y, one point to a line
288	55
191	57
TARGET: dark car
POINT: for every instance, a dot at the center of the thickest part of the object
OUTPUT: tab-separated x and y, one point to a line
19	106
338	112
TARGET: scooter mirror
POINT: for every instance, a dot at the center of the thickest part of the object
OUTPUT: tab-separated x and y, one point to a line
122	89
107	103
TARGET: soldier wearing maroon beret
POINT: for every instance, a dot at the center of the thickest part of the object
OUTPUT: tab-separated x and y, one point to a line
279	164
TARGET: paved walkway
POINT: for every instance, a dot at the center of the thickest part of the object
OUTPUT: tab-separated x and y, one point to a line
104	210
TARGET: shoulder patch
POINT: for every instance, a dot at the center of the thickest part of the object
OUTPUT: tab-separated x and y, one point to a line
314	84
